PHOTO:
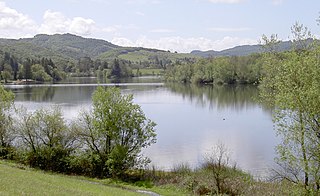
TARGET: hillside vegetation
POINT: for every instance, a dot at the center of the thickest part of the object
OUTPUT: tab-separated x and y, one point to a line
78	56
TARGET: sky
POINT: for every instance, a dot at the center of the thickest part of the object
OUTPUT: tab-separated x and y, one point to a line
175	25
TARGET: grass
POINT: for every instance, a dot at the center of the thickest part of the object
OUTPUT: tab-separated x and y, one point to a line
148	72
16	179
21	180
143	54
26	181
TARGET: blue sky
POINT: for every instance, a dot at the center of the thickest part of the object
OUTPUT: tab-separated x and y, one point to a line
174	25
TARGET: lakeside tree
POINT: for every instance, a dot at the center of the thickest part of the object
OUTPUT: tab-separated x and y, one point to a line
292	87
27	73
114	132
9	67
120	69
6	135
45	139
221	70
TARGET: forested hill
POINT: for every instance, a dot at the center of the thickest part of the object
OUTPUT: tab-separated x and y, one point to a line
241	50
68	48
64	46
72	45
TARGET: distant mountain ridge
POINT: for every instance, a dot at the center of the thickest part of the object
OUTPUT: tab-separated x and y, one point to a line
243	50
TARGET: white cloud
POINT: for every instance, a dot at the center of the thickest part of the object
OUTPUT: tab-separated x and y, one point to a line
222	29
56	22
226	1
184	44
82	26
122	41
161	31
14	24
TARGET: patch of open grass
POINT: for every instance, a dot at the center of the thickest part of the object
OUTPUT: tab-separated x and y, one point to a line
19	180
147	72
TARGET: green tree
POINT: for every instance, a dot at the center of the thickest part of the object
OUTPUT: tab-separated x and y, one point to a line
39	74
116	69
292	86
27	73
6	73
15	67
85	64
120	69
45	139
115	131
6	136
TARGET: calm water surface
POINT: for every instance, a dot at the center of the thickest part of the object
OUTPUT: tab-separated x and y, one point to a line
190	120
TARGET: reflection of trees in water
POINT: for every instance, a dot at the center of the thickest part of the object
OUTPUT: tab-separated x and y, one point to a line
38	94
237	97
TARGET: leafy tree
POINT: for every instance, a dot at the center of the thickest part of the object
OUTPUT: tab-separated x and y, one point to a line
85	64
39	74
27	69
46	140
15	67
115	131
292	86
228	70
120	69
116	69
6	136
6	73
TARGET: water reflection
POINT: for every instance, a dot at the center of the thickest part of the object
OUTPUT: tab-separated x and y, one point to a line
190	119
218	97
95	80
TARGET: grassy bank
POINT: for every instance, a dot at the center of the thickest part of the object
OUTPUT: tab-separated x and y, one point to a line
19	180
212	180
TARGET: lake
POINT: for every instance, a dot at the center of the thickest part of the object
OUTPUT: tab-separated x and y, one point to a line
190	119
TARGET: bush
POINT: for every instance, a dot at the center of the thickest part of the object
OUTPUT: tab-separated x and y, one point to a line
115	130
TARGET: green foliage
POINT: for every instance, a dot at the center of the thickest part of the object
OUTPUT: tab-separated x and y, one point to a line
119	69
147	72
291	85
45	139
39	74
82	56
146	58
115	130
227	70
8	67
6	136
